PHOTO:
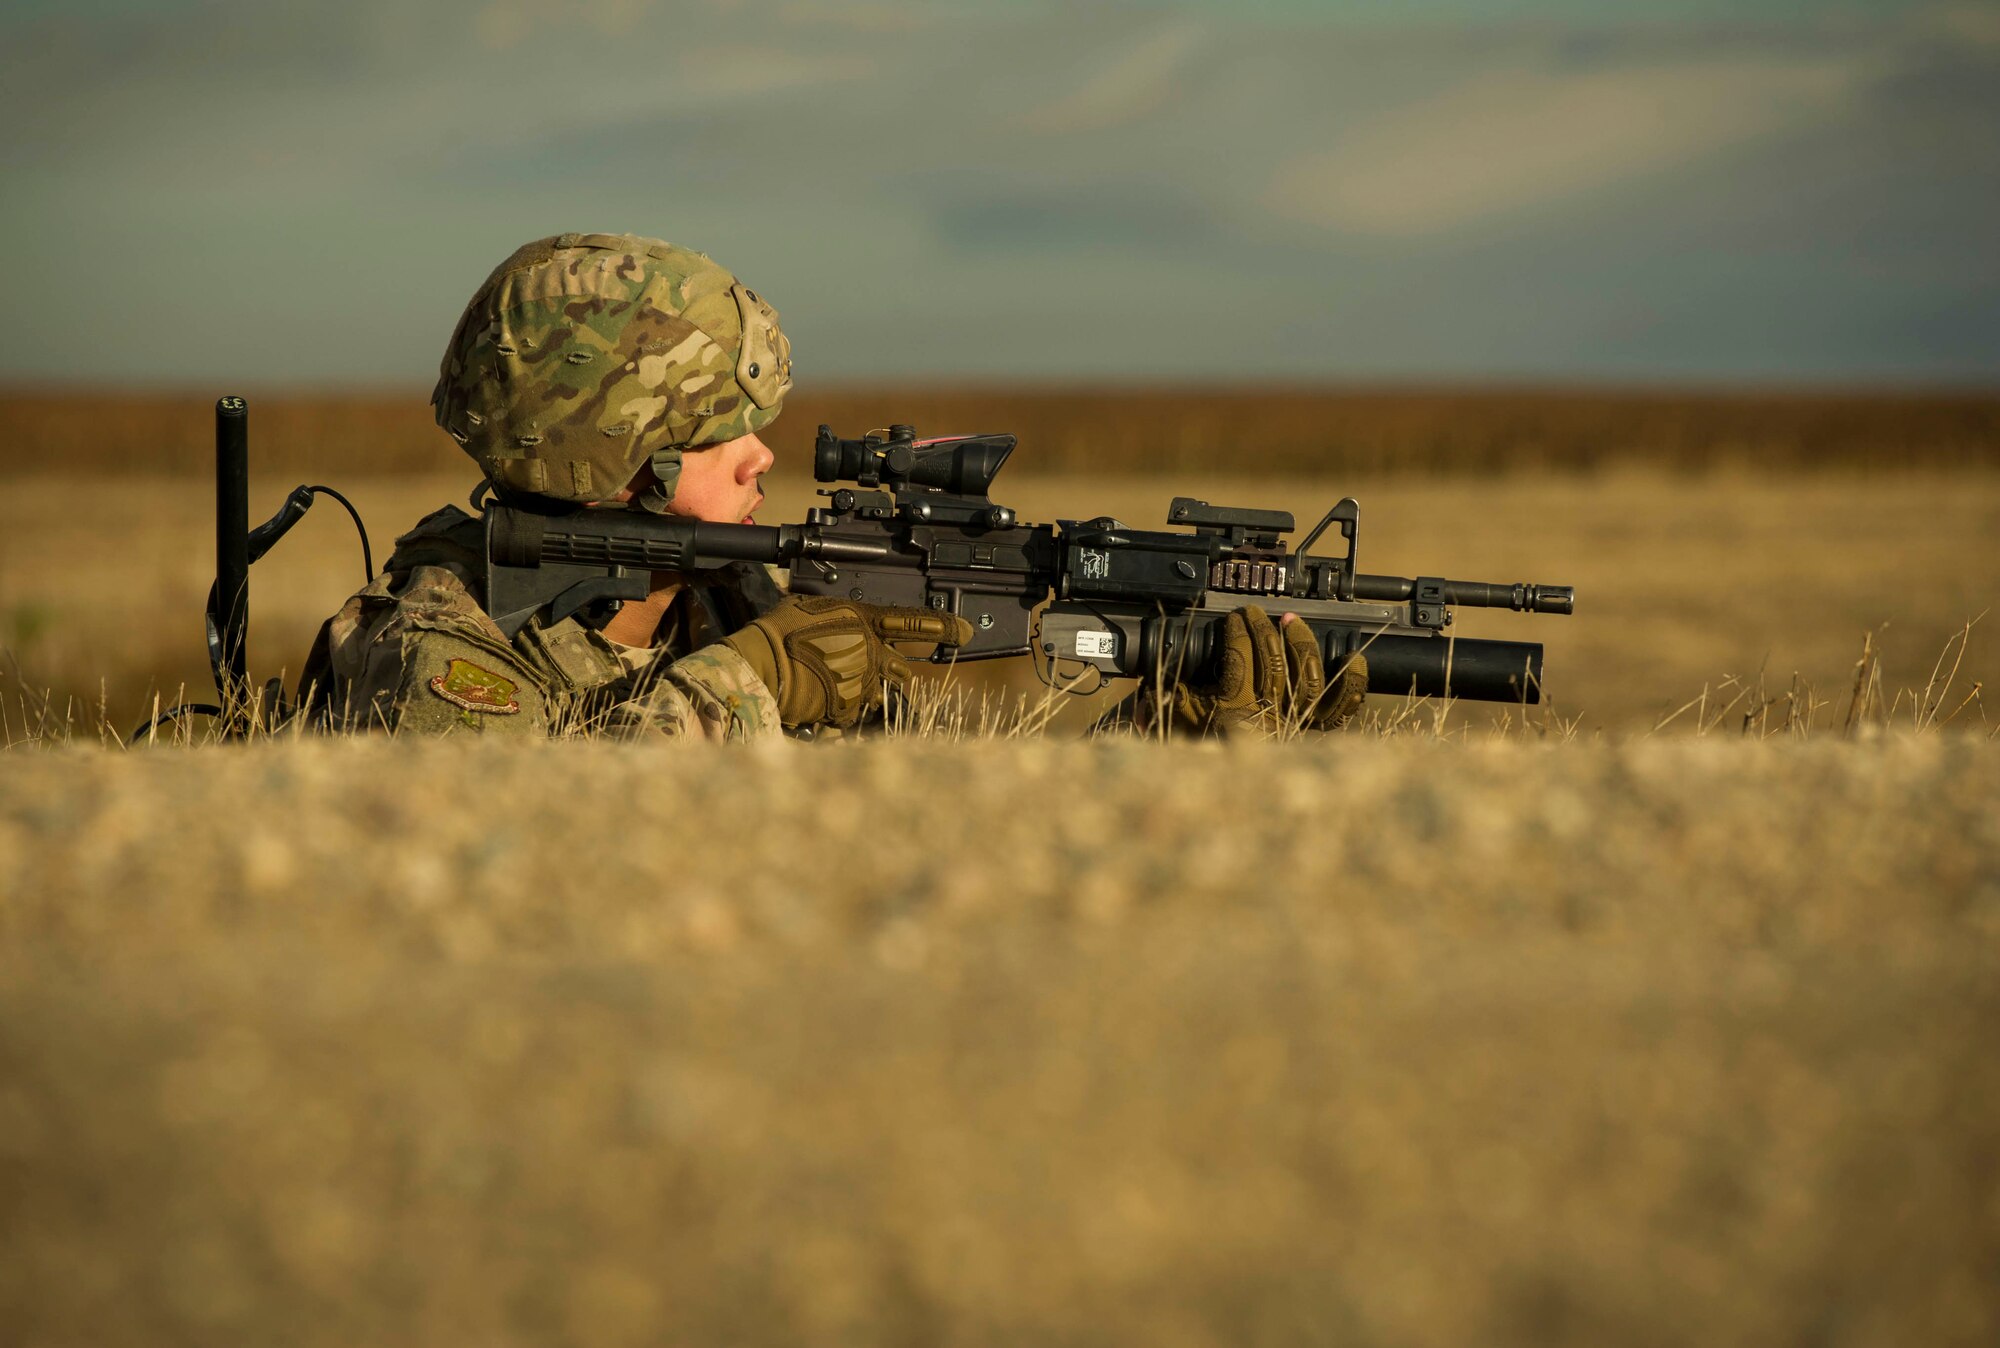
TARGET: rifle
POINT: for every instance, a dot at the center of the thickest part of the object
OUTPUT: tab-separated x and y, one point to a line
918	528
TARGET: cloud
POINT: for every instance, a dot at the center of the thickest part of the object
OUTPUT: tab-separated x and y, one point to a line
1970	25
1508	141
1128	220
730	71
857	15
913	179
504	24
1138	81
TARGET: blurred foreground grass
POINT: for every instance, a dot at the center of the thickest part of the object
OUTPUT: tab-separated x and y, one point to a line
1352	1041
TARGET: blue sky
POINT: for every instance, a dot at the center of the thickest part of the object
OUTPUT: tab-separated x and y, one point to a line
1197	190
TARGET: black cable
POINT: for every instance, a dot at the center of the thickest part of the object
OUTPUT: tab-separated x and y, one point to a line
367	556
147	729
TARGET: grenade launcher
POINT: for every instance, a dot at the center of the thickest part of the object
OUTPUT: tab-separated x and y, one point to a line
918	528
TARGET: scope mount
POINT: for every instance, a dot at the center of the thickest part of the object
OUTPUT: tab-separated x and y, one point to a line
940	481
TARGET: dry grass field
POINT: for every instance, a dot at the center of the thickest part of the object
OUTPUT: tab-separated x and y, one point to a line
1711	537
1683	582
1407	1043
1273	431
1715	539
1436	1031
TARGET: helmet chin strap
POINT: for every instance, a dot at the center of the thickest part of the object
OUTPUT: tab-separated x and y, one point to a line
666	466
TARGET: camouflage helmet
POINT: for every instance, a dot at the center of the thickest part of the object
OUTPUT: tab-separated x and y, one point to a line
586	356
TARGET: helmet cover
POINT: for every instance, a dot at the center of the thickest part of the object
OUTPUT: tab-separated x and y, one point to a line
584	357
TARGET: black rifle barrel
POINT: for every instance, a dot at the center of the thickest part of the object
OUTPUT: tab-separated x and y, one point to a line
648	542
1473	594
746	542
631	538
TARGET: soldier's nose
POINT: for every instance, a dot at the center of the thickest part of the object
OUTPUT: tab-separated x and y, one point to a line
758	462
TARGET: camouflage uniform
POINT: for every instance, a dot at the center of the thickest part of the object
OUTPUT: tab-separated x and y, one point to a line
415	652
582	359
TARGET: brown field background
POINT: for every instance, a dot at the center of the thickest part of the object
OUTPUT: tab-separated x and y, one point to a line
1714	539
1255	431
1417	1034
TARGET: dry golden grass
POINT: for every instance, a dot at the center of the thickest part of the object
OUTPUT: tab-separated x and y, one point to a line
1410	1043
1683	581
1273	431
1390	1037
1706	535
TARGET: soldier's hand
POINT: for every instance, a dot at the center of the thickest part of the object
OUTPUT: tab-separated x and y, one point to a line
1268	677
829	661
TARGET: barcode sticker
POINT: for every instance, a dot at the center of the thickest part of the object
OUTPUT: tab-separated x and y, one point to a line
1096	644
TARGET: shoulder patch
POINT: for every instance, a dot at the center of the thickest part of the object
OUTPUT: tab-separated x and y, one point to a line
466	685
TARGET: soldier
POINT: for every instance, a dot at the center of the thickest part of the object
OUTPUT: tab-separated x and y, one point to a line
627	373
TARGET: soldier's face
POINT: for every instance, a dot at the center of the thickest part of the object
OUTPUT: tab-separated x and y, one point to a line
720	483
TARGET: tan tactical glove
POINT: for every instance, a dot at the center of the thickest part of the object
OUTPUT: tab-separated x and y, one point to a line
1268	679
828	660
